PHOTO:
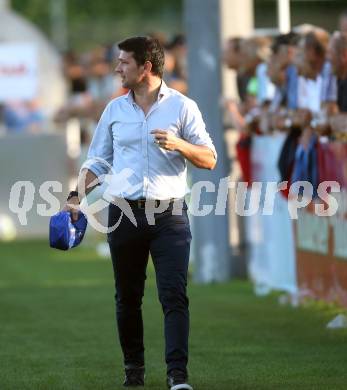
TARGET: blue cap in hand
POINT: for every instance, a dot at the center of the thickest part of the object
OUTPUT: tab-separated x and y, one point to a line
64	233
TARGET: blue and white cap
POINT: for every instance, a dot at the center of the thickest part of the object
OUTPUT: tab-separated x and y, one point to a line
64	233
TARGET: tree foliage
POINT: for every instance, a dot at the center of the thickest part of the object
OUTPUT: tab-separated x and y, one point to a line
90	22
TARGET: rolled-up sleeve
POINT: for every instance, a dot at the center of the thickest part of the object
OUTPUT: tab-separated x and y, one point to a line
100	153
194	128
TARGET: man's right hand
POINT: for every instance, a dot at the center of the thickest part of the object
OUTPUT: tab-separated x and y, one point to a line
73	206
87	180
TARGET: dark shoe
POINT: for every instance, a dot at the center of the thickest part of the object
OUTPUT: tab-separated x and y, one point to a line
177	380
134	376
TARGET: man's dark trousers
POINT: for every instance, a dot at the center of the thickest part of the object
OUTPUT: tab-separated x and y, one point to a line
168	242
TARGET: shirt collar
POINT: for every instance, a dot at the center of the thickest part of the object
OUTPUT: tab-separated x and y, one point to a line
163	92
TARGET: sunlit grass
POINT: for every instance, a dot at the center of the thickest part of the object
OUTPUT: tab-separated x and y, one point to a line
58	330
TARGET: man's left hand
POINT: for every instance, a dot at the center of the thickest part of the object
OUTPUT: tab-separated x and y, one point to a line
166	139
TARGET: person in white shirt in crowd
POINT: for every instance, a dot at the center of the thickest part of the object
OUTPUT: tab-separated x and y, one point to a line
317	85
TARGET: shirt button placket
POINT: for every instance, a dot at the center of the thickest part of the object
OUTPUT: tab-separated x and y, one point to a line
145	158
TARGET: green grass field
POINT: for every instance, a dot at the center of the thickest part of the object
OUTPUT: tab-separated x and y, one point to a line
57	330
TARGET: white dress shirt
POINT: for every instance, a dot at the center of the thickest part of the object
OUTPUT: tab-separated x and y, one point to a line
312	93
140	168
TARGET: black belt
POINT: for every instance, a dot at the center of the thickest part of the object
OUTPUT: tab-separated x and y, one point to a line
141	203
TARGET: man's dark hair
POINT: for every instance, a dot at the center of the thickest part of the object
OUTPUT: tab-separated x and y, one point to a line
145	49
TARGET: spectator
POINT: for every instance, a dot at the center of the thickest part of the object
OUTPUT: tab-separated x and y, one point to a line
232	59
338	57
343	21
178	49
24	116
75	73
254	51
316	84
283	74
102	82
175	72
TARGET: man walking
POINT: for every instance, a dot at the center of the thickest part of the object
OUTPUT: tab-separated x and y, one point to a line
153	131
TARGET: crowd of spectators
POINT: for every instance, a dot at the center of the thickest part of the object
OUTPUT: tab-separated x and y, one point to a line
294	82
